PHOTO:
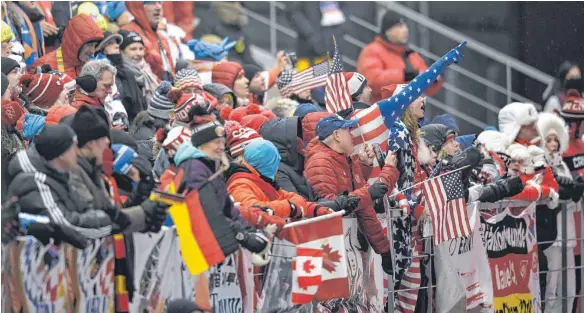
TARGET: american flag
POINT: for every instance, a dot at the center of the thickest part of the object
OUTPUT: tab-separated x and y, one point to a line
310	78
444	197
337	96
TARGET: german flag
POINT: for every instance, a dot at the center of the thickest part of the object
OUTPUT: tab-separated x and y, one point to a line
205	236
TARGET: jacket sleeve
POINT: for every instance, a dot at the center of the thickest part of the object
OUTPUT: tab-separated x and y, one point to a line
371	66
389	175
273	76
257	218
437	84
529	193
91	224
285	183
243	193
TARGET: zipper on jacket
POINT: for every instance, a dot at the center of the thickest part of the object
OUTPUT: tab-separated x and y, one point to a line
351	172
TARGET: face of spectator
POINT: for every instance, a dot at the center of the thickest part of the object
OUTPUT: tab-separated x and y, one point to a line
527	132
365	96
153	12
6	47
418	107
104	86
214	149
573	73
240	87
87	51
96	148
135	52
515	166
451	146
398	33
551	143
13	78
112	47
257	84
68	160
305	95
225	100
344	139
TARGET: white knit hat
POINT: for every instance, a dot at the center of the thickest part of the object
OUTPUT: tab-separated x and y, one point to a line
514	115
493	140
551	124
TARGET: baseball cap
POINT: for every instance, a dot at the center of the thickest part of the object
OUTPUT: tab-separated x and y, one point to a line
326	126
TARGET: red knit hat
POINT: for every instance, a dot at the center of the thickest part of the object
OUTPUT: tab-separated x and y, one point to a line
254	121
58	112
183	103
11	112
226	73
176	136
238	136
42	89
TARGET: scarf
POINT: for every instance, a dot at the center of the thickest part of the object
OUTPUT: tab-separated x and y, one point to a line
146	79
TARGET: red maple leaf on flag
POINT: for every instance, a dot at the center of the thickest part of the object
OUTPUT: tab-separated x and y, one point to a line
329	258
308	266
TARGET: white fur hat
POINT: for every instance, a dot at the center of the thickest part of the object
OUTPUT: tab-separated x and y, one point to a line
551	124
518	152
493	140
514	115
537	156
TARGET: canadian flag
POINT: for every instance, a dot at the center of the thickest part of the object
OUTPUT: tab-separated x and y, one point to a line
307	274
324	233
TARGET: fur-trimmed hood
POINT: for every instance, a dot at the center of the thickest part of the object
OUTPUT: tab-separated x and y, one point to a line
514	115
548	124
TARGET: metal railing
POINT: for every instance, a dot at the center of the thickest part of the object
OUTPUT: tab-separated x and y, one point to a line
507	62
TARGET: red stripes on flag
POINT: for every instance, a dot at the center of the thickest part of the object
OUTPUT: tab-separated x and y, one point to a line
337	95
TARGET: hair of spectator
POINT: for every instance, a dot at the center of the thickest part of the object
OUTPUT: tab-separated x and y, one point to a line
97	68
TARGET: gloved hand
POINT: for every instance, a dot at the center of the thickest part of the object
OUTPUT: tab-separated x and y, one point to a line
342	202
322	210
253	240
10	223
410	72
266	209
43	232
386	263
377	190
554	199
577	192
510	186
566	186
118	217
156	213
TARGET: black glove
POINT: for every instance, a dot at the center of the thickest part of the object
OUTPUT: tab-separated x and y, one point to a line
156	213
342	202
118	217
566	186
254	241
43	232
386	263
577	192
410	72
378	190
10	222
511	186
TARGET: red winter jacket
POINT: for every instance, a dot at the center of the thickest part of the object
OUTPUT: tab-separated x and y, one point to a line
531	193
383	63
80	30
331	173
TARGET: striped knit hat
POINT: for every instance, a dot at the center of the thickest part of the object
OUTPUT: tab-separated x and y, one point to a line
188	78
238	137
176	137
160	106
42	89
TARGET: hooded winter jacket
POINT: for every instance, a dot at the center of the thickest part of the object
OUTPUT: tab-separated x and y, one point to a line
384	63
80	99
153	40
283	133
247	186
80	30
331	173
42	190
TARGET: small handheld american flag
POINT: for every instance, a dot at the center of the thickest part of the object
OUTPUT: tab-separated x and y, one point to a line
310	78
337	95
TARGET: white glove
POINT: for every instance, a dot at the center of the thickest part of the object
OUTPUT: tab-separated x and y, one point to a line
554	198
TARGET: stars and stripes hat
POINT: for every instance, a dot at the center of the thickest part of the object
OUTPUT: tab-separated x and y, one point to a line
188	78
326	126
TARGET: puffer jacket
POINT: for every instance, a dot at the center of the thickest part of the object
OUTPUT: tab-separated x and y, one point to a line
331	173
534	191
383	63
247	186
80	30
80	99
43	190
283	133
153	39
309	125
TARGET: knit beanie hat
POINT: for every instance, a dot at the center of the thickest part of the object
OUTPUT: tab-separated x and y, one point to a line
262	155
254	121
514	115
123	157
518	152
239	136
390	19
160	106
226	73
356	83
465	141
11	112
251	70
176	137
573	107
107	37
129	38
207	132
446	120
54	140
187	78
183	104
57	112
7	34
5	84
8	64
42	89
89	125
436	135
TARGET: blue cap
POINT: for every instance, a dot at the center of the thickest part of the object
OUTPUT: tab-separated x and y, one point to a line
326	126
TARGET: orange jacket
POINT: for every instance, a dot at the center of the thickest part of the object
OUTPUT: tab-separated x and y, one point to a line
151	39
249	189
383	63
80	99
80	30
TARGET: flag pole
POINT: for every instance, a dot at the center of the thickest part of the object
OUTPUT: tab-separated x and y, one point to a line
314	219
450	172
